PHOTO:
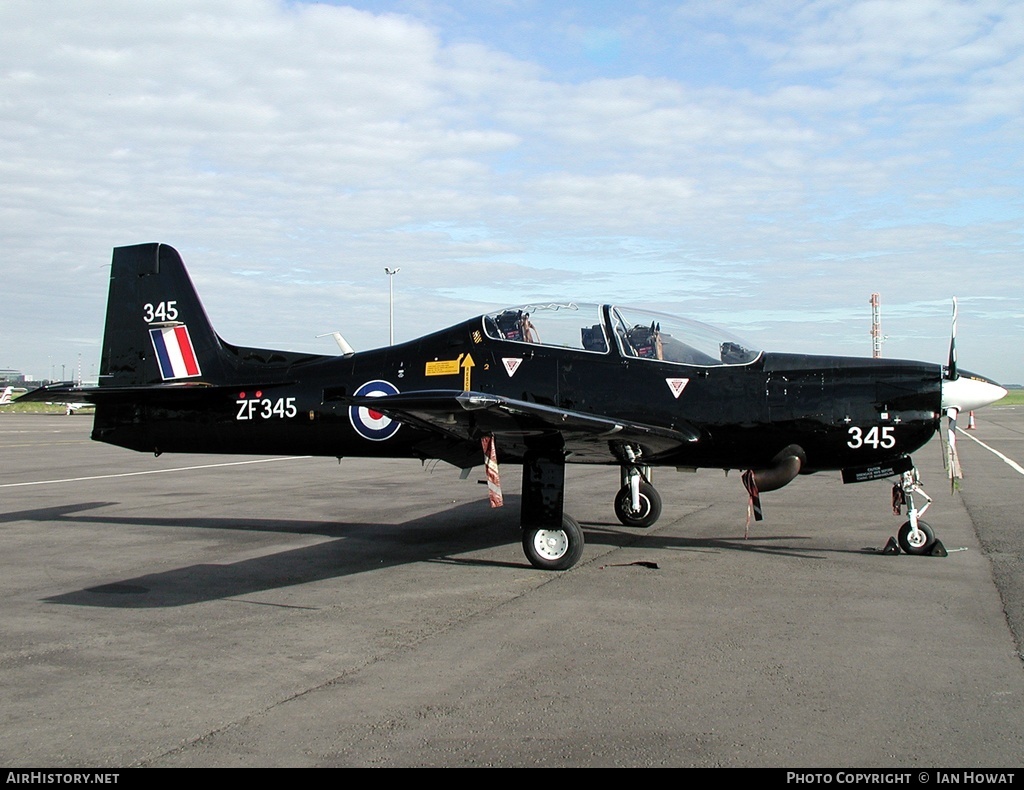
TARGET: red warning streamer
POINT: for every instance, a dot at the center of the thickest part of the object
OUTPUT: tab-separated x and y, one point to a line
491	465
754	504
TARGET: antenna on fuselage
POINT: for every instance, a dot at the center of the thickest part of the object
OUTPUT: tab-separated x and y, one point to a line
346	349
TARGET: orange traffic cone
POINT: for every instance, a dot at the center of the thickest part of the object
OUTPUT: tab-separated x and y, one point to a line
970	421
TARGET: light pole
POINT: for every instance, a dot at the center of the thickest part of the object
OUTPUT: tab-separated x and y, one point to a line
391	303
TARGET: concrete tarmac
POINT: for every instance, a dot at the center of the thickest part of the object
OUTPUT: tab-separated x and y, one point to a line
229	611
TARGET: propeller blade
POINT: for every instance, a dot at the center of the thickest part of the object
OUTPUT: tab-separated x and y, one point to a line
968	391
951	373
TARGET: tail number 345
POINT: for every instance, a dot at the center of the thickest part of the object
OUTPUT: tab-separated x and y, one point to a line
876	437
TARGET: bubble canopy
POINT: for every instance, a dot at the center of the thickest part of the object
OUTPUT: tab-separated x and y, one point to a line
602	329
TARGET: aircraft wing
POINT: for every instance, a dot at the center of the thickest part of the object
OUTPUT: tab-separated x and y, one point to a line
471	415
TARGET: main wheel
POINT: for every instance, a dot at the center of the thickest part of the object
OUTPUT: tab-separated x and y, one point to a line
921	543
650	506
554	549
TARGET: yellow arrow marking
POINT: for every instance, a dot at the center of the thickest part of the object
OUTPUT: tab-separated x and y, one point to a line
467	367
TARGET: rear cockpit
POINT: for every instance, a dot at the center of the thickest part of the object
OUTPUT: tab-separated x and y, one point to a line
558	324
607	329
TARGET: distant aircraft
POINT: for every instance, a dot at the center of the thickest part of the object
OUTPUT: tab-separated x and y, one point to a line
70	407
540	385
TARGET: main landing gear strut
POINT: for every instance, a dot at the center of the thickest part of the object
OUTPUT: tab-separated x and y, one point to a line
552	539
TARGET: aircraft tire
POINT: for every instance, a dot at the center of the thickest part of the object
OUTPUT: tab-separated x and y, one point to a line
554	549
918	546
650	506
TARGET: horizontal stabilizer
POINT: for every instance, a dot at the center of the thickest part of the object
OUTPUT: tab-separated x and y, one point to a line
65	392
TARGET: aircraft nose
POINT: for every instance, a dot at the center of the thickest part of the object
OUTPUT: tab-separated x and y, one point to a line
968	391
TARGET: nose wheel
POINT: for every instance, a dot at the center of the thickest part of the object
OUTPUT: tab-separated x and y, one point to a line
915	536
919	541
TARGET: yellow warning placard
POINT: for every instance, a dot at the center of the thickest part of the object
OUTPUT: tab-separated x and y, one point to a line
444	367
452	367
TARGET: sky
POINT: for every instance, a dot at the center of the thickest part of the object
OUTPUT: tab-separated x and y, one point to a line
765	166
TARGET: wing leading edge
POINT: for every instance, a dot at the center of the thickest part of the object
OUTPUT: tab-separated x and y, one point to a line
471	415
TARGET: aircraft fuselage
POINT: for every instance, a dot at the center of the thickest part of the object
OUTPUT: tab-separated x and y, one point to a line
844	412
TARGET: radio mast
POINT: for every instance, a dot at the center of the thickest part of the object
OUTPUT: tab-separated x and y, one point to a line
876	325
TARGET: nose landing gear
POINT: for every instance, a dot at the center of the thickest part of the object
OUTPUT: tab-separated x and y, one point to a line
915	536
637	503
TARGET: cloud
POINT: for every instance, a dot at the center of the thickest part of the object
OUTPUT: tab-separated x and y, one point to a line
763	164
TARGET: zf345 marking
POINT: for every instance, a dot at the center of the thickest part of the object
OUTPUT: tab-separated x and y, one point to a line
260	408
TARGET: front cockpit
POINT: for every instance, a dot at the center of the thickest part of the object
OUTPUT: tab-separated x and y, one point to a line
606	329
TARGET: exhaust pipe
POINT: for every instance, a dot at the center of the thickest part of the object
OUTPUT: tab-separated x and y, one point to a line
783	470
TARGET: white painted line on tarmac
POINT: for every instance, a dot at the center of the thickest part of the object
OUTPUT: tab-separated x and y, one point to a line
155	471
1013	464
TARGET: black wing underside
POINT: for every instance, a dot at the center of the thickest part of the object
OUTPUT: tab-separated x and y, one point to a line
516	424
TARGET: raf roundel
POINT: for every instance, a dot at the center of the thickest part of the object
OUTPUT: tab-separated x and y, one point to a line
370	424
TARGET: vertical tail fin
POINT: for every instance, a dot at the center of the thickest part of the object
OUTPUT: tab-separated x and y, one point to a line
5	397
156	328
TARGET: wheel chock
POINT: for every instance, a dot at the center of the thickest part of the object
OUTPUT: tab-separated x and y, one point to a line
892	547
938	550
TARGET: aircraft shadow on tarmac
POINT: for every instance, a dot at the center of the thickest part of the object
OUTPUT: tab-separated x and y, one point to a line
354	548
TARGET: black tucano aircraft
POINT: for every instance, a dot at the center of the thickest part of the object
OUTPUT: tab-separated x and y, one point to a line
540	385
